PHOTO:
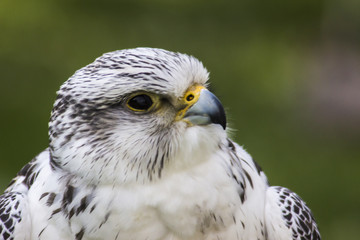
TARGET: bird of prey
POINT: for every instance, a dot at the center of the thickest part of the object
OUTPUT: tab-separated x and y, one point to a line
138	150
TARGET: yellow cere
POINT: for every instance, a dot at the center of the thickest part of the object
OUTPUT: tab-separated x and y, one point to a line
190	98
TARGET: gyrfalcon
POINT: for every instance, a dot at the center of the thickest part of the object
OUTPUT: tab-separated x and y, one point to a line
138	150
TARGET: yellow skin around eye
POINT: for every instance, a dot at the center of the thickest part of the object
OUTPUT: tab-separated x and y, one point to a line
153	97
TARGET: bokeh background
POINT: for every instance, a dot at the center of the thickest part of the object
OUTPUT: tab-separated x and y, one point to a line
288	73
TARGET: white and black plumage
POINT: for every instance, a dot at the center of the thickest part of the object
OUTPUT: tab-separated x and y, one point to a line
138	151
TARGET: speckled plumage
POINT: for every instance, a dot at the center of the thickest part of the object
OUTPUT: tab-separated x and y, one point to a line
169	172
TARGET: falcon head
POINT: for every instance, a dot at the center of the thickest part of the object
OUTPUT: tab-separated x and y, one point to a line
134	116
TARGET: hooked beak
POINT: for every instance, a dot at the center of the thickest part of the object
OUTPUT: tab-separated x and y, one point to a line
205	109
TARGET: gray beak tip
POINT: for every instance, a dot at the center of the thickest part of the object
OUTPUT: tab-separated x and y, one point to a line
208	109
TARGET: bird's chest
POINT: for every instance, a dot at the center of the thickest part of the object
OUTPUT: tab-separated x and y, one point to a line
183	206
203	203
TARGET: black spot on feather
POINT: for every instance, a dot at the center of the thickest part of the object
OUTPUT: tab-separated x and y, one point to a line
68	196
249	178
80	234
83	205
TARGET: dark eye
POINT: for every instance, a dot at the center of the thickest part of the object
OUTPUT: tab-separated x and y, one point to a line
140	102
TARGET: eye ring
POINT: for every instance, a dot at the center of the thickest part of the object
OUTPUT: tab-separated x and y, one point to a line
140	103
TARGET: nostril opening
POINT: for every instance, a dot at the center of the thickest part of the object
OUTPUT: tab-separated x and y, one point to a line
190	97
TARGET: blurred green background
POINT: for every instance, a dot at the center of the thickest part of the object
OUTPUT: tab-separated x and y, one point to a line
288	73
